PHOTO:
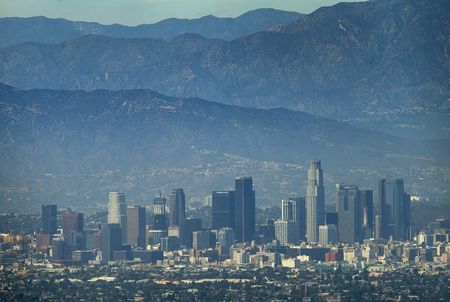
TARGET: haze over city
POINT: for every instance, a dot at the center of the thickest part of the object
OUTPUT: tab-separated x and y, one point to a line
224	150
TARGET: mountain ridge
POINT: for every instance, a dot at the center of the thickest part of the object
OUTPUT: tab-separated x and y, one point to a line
358	62
16	30
79	145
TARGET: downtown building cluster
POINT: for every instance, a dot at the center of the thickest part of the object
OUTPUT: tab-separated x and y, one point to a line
161	232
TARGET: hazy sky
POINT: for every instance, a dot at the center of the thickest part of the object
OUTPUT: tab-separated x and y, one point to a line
134	12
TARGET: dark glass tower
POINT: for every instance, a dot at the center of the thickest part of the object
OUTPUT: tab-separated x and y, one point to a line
48	219
222	209
159	213
177	207
394	209
349	213
244	211
367	216
299	215
111	240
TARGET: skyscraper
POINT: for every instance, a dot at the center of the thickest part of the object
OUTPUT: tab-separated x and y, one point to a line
315	201
293	210
225	238
393	209
136	226
348	207
299	215
222	209
286	231
48	219
159	213
367	218
327	234
111	240
189	226
117	208
177	207
72	222
244	212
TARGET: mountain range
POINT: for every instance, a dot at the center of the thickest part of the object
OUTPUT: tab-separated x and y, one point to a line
364	62
14	30
82	144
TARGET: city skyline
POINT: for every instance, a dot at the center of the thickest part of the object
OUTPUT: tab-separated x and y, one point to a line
191	150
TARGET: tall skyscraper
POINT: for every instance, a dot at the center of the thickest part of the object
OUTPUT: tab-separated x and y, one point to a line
159	213
293	210
117	208
299	215
394	209
48	219
72	222
111	240
136	226
244	222
348	207
177	207
315	201
367	216
222	209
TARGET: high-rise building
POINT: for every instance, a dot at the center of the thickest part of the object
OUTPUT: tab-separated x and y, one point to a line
177	207
328	234
72	222
394	209
136	226
48	219
367	216
59	249
348	207
244	222
222	209
170	243
111	240
159	213
332	218
190	225
117	208
225	239
315	201
201	239
286	231
297	207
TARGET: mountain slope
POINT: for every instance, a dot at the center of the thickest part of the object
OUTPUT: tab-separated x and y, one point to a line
354	61
83	144
46	30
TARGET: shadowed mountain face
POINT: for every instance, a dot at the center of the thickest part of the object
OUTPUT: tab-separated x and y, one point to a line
372	63
45	30
83	144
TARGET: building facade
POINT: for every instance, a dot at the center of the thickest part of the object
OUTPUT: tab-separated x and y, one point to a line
222	209
136	226
117	208
48	219
244	222
177	204
315	201
348	207
393	209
